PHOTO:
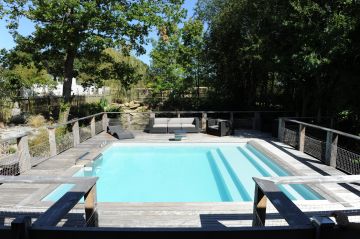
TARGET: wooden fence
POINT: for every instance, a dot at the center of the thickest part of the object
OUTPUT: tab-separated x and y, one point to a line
326	149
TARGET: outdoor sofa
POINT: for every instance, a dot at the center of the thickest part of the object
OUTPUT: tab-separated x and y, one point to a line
218	127
169	125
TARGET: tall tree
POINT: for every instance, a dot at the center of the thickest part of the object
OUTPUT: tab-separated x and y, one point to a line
76	28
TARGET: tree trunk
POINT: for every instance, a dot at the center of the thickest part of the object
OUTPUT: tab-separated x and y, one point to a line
68	75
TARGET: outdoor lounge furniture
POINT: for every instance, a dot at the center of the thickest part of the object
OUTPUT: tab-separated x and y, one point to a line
218	127
169	125
117	131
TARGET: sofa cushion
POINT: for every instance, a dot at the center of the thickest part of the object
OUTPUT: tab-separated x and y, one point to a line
187	120
160	125
214	127
161	120
187	126
175	121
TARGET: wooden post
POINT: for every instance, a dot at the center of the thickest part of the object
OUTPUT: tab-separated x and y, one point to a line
324	227
259	208
23	153
331	149
128	117
203	120
19	227
76	133
52	141
91	216
105	121
92	127
232	118
257	121
281	129
178	115
302	129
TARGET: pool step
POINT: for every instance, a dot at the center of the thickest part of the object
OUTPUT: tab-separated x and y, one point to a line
240	169
266	170
232	189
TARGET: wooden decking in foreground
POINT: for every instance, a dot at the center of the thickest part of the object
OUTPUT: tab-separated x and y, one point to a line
17	199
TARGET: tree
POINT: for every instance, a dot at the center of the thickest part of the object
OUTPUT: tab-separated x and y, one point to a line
74	28
175	59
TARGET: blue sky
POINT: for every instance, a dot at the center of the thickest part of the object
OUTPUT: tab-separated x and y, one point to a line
26	28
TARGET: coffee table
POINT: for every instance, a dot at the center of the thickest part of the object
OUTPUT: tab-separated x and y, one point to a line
179	134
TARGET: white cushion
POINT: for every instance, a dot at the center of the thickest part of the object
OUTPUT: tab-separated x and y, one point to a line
187	120
160	126
161	120
175	121
187	126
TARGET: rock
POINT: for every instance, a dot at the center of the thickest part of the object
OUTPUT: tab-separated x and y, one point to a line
126	104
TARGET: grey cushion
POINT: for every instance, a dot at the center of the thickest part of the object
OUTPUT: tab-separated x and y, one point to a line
161	120
187	120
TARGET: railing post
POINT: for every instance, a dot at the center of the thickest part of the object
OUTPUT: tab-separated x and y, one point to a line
92	126
259	208
203	120
324	226
23	153
331	148
302	129
128	117
281	129
19	227
178	114
257	121
76	133
52	141
232	118
105	121
91	216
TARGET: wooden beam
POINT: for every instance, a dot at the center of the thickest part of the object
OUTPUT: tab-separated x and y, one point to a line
23	153
52	141
281	129
47	180
91	215
92	127
291	213
302	129
331	148
166	233
76	133
312	179
60	208
259	208
19	227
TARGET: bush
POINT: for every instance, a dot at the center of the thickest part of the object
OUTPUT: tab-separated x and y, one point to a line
36	121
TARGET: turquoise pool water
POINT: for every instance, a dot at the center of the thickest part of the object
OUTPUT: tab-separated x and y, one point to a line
182	173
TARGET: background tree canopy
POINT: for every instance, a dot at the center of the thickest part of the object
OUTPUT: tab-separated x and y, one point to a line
293	55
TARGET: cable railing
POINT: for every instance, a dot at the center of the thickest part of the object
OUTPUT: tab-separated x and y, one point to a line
325	146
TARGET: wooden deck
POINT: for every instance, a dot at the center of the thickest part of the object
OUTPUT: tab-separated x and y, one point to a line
17	199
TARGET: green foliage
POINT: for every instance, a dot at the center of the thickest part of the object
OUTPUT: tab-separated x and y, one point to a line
296	55
175	63
69	30
112	65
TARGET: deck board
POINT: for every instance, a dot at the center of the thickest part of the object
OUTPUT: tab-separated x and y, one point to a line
16	199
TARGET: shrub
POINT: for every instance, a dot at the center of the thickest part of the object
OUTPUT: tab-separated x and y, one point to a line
36	121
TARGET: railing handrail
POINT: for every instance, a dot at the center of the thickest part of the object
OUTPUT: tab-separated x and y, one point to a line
13	137
74	120
311	179
323	128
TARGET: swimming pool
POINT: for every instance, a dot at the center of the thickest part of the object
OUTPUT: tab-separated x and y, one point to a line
182	173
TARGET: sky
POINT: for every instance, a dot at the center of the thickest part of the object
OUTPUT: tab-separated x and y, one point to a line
26	28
